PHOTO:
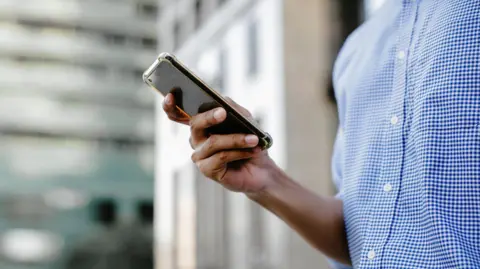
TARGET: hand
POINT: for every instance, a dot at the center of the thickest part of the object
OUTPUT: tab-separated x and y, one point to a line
234	160
173	113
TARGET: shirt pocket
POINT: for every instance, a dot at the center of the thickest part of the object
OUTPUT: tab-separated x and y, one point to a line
447	108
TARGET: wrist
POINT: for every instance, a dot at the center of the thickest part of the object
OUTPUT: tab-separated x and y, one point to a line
276	183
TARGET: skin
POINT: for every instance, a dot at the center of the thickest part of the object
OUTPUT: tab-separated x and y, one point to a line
235	162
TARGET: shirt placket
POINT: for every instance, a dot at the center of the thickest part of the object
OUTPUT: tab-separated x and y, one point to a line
389	184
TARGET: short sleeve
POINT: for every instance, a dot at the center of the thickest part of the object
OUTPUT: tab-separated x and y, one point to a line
337	163
336	265
337	175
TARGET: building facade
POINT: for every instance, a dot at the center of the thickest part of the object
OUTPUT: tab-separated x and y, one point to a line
76	122
274	58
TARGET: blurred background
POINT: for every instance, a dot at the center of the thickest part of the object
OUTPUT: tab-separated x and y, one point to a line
77	130
86	151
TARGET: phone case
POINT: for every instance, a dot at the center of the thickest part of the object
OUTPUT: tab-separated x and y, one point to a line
266	140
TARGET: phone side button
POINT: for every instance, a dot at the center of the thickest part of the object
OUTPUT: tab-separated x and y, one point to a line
267	141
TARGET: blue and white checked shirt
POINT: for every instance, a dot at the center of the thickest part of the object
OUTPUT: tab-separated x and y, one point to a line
407	155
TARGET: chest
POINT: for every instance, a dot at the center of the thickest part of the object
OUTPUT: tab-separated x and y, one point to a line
408	85
422	69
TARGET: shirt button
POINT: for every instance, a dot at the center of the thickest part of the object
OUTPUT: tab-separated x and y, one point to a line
371	255
401	55
387	187
394	120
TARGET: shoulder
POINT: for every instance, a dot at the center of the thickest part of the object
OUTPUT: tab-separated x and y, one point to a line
373	30
371	42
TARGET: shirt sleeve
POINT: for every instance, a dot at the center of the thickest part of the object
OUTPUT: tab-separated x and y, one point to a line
336	265
337	163
337	175
337	160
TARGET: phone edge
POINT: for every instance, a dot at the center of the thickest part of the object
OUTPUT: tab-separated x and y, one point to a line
266	137
164	56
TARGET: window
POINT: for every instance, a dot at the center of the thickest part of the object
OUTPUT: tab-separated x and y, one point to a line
115	39
97	69
137	74
25	207
222	69
105	211
221	2
146	212
80	29
147	9
38	60
252	39
149	43
259	121
31	25
218	81
36	25
198	13
176	35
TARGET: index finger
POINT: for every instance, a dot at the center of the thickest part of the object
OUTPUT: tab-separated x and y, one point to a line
202	121
172	110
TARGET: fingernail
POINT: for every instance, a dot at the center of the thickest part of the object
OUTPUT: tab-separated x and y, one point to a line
251	140
168	99
219	114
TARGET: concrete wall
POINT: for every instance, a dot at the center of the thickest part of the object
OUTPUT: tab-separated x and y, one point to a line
310	117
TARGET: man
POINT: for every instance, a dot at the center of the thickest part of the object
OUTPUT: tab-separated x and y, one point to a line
407	154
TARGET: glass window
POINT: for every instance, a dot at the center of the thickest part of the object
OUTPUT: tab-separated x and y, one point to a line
149	43
219	79
137	74
222	69
147	9
259	121
221	2
115	39
105	211
252	39
176	35
198	13
25	207
146	212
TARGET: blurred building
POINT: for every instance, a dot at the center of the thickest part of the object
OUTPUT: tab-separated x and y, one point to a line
275	58
76	123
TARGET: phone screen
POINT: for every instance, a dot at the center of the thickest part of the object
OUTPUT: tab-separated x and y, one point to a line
191	98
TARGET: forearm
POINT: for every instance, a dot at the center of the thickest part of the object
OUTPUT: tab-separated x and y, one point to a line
319	220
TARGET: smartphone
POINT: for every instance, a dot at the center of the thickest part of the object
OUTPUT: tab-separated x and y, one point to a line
193	96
